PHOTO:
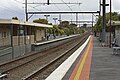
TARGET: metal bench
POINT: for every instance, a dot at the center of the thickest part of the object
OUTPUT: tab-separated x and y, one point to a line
116	45
116	50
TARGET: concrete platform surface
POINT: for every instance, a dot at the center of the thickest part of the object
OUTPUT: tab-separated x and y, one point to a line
105	65
93	63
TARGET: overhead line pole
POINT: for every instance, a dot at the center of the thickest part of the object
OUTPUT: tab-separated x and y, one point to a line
26	10
104	21
110	23
76	18
92	20
100	7
25	27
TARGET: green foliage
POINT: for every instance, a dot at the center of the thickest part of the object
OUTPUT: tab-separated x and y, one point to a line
67	31
55	30
50	30
64	24
61	32
14	18
63	28
49	23
68	28
98	26
73	25
42	21
84	25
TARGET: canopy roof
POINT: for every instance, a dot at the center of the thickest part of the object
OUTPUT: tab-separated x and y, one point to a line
114	23
20	22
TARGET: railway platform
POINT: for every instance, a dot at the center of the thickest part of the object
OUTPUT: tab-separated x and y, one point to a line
90	62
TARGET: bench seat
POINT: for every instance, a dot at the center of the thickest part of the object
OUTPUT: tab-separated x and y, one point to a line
116	50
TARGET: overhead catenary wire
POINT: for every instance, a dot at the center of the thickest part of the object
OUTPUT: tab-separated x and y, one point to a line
81	10
67	5
69	8
28	5
56	6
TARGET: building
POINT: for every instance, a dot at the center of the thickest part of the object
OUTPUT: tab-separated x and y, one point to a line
115	30
20	35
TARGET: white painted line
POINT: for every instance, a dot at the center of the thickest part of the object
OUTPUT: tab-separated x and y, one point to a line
60	72
55	40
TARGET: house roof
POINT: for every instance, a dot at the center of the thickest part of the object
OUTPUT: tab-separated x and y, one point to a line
20	22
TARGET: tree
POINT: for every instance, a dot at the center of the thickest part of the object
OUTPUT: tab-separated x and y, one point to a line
85	25
49	23
73	25
14	18
42	21
64	24
98	26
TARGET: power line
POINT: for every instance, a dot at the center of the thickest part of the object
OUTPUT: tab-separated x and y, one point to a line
18	1
56	5
28	5
67	5
69	8
81	10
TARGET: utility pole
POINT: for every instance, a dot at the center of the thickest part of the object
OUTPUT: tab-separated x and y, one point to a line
110	23
76	18
25	27
26	10
92	20
100	7
48	2
104	21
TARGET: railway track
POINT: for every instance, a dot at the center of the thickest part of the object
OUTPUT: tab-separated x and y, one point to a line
26	59
23	67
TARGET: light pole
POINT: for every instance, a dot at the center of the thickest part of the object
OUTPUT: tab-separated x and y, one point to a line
59	18
47	17
46	28
55	20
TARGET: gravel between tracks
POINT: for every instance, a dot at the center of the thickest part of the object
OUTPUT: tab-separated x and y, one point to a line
45	73
39	60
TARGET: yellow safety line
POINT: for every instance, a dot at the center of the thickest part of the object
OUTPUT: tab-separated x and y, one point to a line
82	63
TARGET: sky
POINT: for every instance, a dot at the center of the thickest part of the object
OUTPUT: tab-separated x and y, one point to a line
11	8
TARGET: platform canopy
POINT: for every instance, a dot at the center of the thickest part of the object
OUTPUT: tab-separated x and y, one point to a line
114	23
20	22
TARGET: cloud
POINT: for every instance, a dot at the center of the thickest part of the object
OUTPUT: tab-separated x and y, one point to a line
90	5
116	4
10	8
